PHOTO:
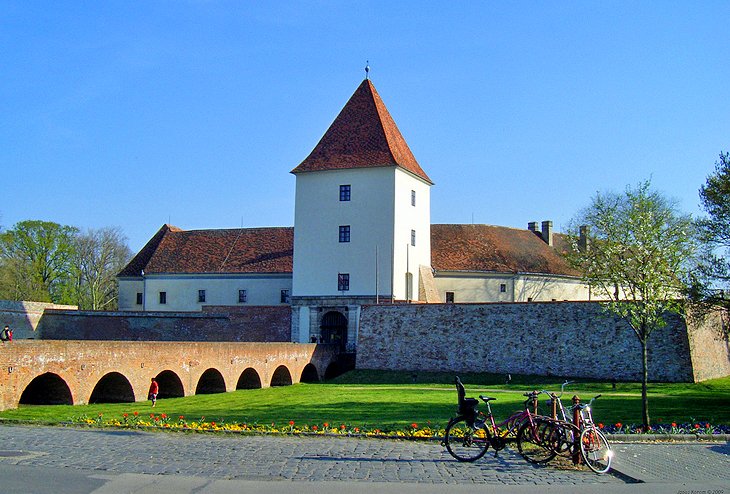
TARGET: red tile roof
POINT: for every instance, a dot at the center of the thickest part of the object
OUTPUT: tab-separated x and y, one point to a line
363	135
489	248
477	248
240	250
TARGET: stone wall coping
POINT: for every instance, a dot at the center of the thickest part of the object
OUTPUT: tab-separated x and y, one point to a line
84	313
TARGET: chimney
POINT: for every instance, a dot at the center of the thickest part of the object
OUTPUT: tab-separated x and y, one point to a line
532	226
547	232
583	238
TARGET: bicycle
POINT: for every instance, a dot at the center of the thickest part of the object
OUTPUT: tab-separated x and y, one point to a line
594	447
566	431
469	435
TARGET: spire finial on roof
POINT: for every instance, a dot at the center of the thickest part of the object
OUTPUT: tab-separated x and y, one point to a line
367	69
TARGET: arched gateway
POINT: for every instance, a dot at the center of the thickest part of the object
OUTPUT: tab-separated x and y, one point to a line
334	329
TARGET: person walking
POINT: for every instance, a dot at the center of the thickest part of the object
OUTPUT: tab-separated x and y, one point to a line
154	389
6	334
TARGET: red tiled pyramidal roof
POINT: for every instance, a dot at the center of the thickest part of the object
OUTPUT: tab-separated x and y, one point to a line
239	250
494	249
363	135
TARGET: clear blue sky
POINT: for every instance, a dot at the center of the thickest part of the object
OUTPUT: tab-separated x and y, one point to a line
133	114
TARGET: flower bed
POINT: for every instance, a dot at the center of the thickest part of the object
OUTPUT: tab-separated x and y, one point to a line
411	431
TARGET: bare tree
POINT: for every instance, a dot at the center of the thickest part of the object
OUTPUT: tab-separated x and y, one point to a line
99	256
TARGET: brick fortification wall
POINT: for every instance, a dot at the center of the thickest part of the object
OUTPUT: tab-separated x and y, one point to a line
555	339
253	323
23	317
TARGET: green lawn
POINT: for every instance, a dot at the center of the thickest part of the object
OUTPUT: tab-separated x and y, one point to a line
378	399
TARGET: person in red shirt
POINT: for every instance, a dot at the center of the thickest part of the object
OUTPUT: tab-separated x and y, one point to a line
154	389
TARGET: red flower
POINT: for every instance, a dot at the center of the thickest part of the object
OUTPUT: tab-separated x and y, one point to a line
707	425
326	424
152	415
213	423
342	427
125	415
314	427
674	424
136	413
164	415
600	425
618	425
291	422
357	429
414	425
157	419
182	417
697	426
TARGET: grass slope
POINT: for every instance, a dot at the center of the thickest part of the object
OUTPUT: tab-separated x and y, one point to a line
369	398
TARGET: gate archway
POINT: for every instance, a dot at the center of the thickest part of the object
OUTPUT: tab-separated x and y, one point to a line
334	329
47	389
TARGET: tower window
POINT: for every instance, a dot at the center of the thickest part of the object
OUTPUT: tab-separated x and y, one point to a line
449	297
201	295
413	238
503	288
345	192
242	296
413	198
140	298
344	233
343	282
284	299
163	297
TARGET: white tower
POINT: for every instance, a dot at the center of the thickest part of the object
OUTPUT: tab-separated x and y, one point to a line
361	223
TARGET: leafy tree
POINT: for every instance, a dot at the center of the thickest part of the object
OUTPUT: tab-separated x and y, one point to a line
715	196
34	260
98	256
639	257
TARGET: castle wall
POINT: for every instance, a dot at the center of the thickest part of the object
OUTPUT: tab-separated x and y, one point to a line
23	317
554	339
245	323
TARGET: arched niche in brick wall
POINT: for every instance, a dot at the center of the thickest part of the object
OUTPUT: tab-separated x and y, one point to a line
281	377
249	379
211	382
112	388
47	389
309	374
170	385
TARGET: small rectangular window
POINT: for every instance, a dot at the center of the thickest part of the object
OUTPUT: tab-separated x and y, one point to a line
140	298
449	297
284	297
345	192
241	296
201	296
413	238
503	288
343	282
344	233
163	297
413	198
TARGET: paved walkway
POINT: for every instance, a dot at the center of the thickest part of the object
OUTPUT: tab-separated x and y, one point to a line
209	463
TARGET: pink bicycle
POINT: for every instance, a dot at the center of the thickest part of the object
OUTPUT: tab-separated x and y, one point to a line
471	432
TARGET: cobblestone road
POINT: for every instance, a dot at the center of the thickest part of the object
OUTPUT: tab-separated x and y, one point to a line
272	458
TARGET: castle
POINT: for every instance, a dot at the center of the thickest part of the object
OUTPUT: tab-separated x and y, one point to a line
362	235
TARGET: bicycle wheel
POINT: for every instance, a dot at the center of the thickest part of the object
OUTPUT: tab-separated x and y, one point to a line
563	437
533	441
464	442
595	450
